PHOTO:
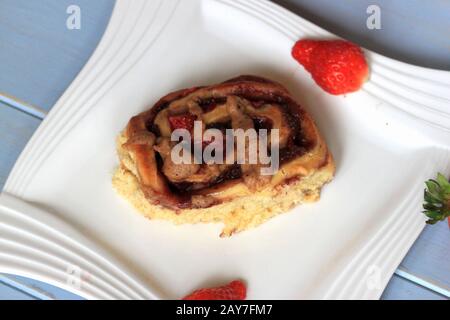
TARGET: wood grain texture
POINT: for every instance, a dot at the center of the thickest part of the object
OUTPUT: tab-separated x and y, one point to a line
10	293
36	289
429	257
411	30
40	57
16	129
401	289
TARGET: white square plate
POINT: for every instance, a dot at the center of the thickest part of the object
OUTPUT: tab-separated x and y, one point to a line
62	222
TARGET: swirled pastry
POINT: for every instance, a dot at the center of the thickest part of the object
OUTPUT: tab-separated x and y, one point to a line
235	192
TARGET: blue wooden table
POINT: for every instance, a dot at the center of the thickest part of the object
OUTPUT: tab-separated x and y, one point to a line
40	56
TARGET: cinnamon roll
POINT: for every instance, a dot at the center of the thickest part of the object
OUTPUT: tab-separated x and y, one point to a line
181	159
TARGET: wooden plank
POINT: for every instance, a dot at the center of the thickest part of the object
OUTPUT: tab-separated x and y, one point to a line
12	282
412	32
16	129
20	105
10	293
398	289
402	289
429	258
39	290
39	55
407	34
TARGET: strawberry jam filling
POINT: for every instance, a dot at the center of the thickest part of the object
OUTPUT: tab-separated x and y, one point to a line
240	103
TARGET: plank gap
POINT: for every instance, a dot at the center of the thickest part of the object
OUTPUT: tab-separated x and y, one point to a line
421	281
22	106
25	289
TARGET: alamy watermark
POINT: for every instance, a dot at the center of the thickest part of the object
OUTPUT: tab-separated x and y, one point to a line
373	277
240	146
75	276
373	22
73	21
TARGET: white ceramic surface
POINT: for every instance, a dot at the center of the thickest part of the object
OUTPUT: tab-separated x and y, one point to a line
58	209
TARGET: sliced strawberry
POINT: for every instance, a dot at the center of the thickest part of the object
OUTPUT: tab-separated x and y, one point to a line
301	51
182	121
337	66
235	290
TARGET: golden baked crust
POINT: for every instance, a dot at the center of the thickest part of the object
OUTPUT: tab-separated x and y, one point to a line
236	204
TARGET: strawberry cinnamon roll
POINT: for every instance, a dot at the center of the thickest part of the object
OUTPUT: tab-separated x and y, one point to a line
237	153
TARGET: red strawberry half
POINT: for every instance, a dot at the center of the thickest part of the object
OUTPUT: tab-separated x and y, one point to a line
235	290
301	52
182	121
337	66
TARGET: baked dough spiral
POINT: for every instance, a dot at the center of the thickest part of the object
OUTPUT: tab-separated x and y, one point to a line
188	193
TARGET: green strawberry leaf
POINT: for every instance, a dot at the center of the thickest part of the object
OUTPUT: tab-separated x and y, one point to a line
437	199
